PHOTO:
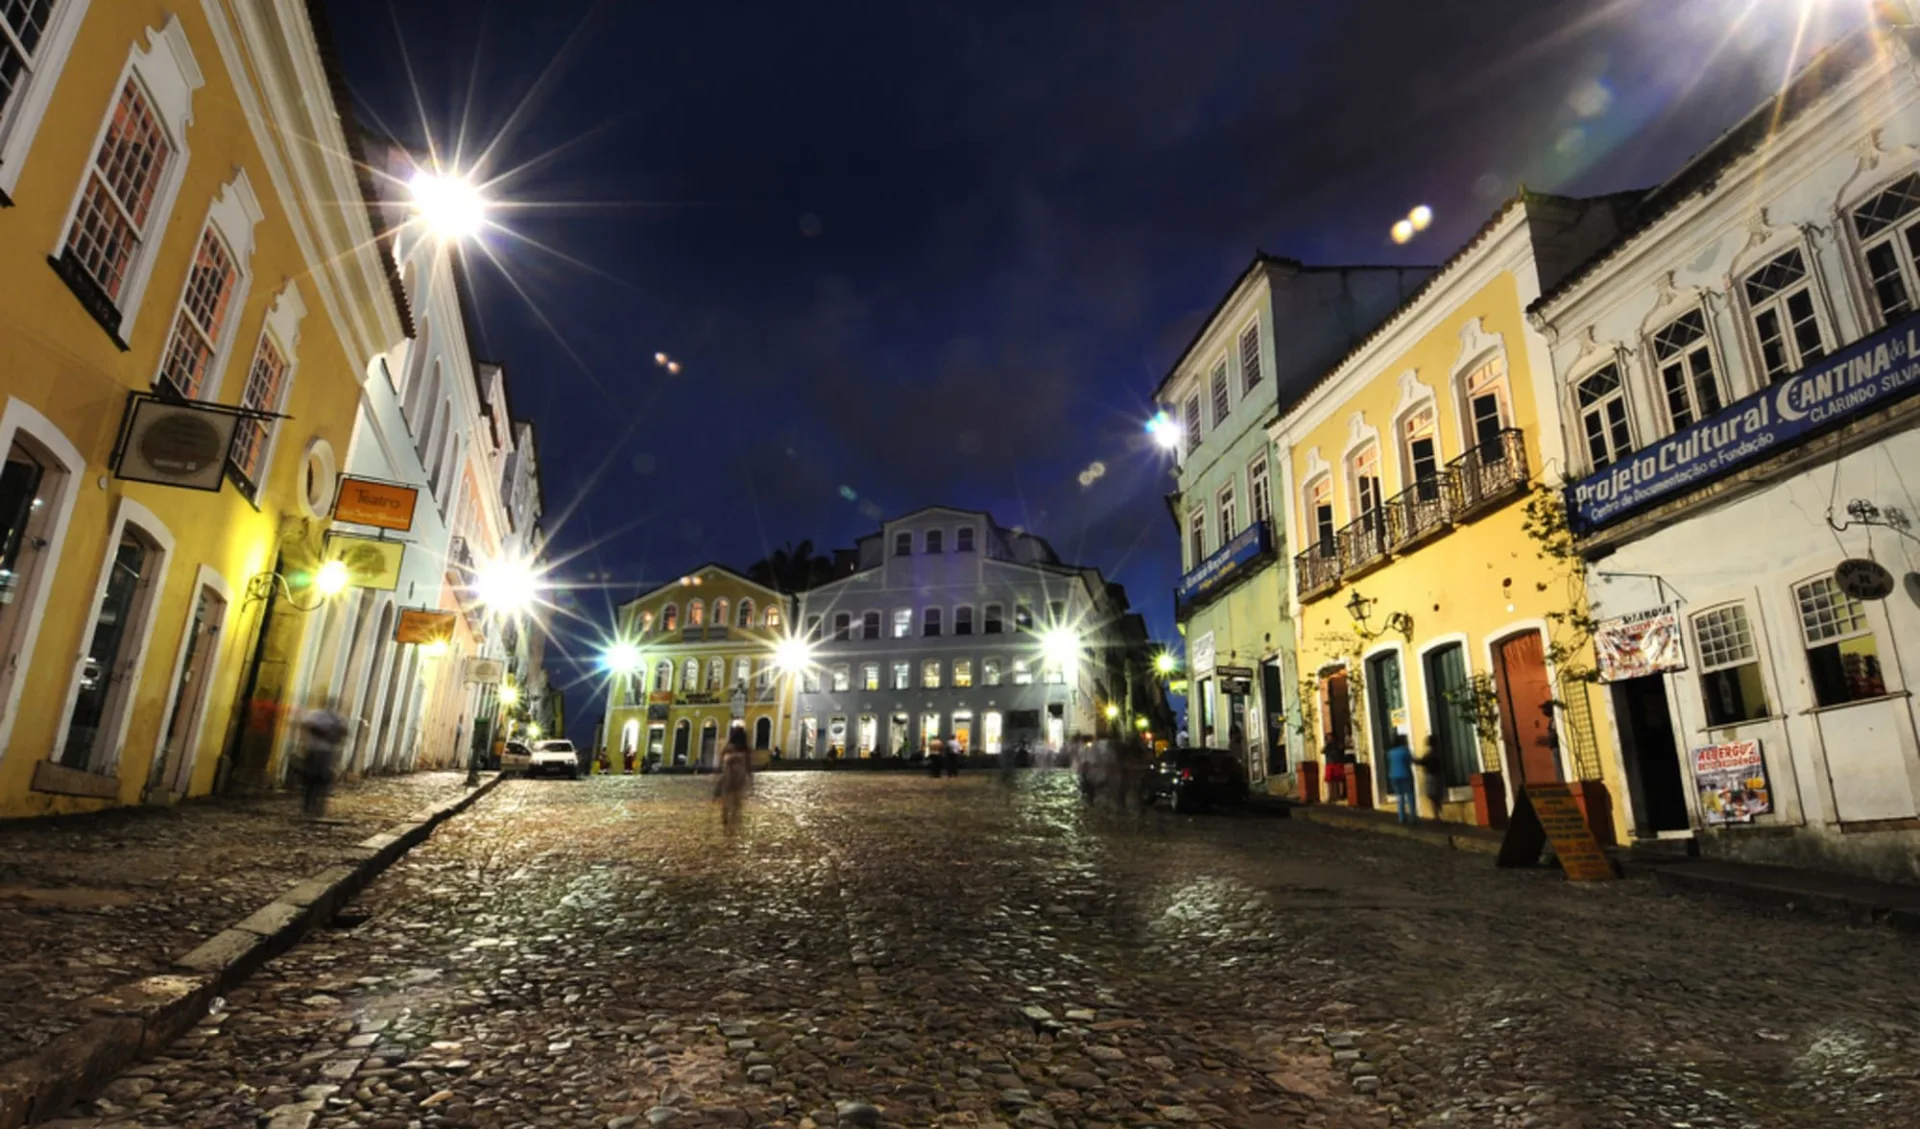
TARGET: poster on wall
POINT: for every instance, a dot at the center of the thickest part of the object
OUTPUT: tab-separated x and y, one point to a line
1200	655
1733	782
1633	646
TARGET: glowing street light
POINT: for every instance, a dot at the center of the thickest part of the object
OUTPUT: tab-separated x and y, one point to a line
533	730
1140	723
1060	647
1113	712
509	695
1165	431
506	586
331	579
622	657
792	655
450	206
1164	663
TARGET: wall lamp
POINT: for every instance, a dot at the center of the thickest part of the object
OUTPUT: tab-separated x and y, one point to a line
1361	609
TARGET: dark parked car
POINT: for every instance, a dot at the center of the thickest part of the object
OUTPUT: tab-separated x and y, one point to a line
1190	779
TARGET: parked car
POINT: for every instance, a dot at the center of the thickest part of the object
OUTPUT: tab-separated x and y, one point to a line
556	756
517	757
1190	779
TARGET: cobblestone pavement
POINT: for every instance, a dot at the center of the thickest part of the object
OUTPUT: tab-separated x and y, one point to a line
906	951
87	902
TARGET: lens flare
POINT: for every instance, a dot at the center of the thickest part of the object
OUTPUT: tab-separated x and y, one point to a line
450	206
1402	231
1421	217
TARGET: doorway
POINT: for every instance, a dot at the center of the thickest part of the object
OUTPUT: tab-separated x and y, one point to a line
189	697
763	733
1526	710
30	488
900	735
709	742
1386	712
1336	722
1273	710
106	670
1652	756
1450	719
963	731
682	736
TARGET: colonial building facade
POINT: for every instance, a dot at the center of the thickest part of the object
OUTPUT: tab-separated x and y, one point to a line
1737	377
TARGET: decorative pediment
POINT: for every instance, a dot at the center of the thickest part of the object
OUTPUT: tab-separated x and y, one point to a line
1475	343
1359	434
1316	466
1759	228
1588	342
1413	393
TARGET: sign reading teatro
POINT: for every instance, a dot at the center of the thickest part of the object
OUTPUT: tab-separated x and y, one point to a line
1876	372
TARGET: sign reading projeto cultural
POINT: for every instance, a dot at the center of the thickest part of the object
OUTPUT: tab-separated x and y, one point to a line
1876	372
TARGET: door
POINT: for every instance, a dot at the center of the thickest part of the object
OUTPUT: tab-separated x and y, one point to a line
656	742
27	485
1336	722
963	732
1272	704
189	695
106	667
682	734
1654	782
763	733
1526	709
1386	712
709	743
1449	707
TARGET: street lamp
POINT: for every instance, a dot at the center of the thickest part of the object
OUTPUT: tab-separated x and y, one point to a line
1164	664
621	657
331	579
1060	647
1113	712
1164	430
509	695
792	655
506	586
450	206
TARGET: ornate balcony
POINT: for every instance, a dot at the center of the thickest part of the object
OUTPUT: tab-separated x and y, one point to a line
1363	543
1421	510
1317	570
1490	473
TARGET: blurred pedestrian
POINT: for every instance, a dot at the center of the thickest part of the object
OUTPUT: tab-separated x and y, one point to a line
1400	777
1334	771
1435	776
950	759
325	731
735	779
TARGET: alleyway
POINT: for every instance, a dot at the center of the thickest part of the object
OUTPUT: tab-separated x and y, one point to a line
595	954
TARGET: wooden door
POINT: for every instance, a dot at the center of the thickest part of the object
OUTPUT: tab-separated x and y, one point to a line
1526	709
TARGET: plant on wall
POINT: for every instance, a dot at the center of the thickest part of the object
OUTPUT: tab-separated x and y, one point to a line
1570	628
1479	703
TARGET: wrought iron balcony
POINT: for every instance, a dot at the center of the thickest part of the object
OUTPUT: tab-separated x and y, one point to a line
459	559
1363	543
1490	473
1317	571
1421	510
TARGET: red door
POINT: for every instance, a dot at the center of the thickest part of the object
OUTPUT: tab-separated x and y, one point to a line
1526	710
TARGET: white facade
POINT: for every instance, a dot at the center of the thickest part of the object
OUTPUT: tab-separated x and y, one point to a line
1793	239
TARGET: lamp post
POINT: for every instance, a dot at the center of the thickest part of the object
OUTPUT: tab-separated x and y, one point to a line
791	655
622	659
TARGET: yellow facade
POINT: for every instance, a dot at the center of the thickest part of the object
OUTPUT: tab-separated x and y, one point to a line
170	692
1410	470
706	645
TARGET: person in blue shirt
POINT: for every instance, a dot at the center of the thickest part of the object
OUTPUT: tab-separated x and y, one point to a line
1400	777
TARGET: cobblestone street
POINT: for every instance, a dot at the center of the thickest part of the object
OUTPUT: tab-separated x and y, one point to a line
905	951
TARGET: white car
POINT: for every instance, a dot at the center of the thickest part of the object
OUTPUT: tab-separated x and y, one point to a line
555	756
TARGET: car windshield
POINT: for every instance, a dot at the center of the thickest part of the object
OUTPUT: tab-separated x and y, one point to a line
555	746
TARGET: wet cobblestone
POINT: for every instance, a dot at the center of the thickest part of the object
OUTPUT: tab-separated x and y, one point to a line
87	902
882	951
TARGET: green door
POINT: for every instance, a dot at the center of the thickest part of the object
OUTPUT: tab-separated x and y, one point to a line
1386	695
1453	736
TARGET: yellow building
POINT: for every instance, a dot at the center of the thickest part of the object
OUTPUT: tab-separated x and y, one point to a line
1422	602
188	315
705	663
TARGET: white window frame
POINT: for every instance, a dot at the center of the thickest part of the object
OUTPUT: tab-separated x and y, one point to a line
21	422
870	683
842	674
930	621
873	625
964	531
1259	368
953	673
991	671
1577	413
938	671
1658	380
972	624
1259	488
898	623
1310	521
1190	421
1896	232
1224	507
21	120
996	613
1757	657
842	626
167	73
282	327
902	667
907	535
232	219
1219	388
930	537
1197	536
1777	305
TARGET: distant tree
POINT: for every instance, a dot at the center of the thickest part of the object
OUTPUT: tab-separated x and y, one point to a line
792	568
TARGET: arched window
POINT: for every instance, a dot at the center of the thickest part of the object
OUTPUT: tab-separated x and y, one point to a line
646	622
720	610
746	613
763	733
670	617
690	677
1488	407
663	677
773	615
716	670
696	613
742	671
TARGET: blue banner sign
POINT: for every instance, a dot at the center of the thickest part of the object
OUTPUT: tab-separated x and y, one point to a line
1876	372
1248	546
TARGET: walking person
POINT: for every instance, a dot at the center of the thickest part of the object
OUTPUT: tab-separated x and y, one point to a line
325	732
1334	769
735	780
1435	779
1400	777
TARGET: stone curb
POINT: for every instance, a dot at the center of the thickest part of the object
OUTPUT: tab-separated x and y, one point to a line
140	1018
1814	903
1431	832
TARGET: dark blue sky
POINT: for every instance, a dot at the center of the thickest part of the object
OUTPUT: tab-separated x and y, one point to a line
919	252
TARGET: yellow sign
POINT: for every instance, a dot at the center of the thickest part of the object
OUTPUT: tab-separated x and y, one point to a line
1549	813
419	625
379	504
370	563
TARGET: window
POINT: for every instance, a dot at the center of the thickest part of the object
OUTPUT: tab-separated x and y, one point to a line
1220	404
992	624
716	674
1364	467
903	676
930	622
763	733
1603	416
1320	505
902	622
842	677
1053	674
721	609
746	614
1420	453
930	674
870	625
1729	666
869	734
963	539
1685	360
1258	492
1022	673
1249	358
903	544
1780	295
24	50
1056	612
265	380
990	728
843	626
690	676
1023	615
1841	653
1488	409
1197	536
962	674
117	200
1229	521
663	677
929	731
198	326
990	672
109	666
669	618
935	541
1888	226
772	616
963	620
696	613
763	677
646	622
810	680
742	671
870	676
813	627
1193	423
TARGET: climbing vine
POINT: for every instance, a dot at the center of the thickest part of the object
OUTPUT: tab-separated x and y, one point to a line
1570	628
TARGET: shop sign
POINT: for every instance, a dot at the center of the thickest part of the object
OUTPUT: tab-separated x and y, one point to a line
1226	563
1549	813
1863	579
383	505
1732	780
175	442
1633	646
371	562
424	626
699	698
1200	655
486	672
660	698
1875	373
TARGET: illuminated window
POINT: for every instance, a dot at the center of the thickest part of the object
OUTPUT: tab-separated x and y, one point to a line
1023	615
930	674
1888	226
663	677
1685	359
203	314
990	672
1488	406
720	611
772	617
690	676
903	676
1729	666
870	676
716	672
962	674
669	618
1603	416
990	728
930	622
902	622
117	199
1022	673
1841	653
1249	358
1780	296
265	380
745	614
646	622
696	613
842	677
742	671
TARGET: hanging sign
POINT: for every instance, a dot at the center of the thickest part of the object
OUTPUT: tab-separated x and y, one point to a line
383	505
424	626
486	672
175	442
1732	780
1633	646
371	563
1863	579
1228	562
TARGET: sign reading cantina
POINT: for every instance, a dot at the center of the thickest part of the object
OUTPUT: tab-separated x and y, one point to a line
1875	373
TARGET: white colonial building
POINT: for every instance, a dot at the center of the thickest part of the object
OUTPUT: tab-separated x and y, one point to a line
1738	374
952	627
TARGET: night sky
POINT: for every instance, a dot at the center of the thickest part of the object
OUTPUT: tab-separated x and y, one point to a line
914	253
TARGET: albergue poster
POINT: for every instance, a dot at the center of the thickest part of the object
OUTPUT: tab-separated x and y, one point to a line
1732	780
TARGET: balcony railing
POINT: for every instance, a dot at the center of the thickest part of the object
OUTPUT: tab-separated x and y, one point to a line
1469	485
459	556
